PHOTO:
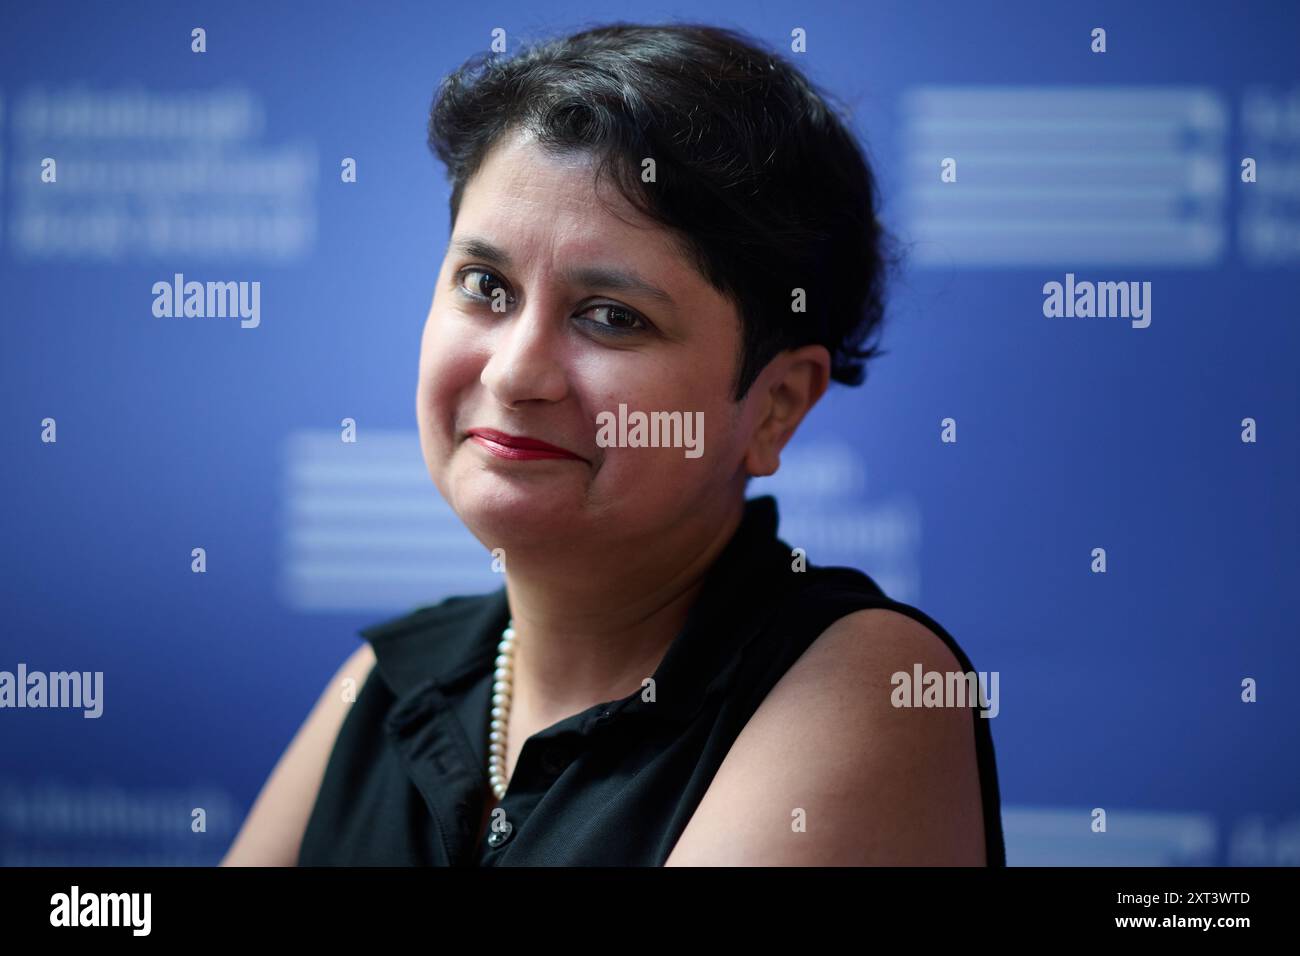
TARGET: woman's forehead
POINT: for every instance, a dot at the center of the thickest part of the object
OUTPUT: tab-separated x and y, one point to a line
533	207
521	182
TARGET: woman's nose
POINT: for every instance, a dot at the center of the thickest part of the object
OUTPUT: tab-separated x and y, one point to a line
526	361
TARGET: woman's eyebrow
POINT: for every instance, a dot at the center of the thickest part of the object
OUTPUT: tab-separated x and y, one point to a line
601	277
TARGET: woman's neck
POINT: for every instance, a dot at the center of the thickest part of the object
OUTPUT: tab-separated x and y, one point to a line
589	634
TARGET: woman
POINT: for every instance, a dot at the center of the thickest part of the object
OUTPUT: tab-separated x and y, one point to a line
667	221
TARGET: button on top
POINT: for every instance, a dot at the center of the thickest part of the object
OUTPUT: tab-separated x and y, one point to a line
498	837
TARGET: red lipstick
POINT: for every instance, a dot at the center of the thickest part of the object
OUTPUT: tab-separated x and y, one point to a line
518	447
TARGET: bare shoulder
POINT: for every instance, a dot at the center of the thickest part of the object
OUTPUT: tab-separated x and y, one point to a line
272	833
829	772
865	639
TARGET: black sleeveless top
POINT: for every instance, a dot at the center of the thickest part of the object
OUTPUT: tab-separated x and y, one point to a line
614	785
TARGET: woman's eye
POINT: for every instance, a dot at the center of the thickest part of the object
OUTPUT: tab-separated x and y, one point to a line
620	319
483	288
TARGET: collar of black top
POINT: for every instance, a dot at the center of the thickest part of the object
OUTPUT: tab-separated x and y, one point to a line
456	639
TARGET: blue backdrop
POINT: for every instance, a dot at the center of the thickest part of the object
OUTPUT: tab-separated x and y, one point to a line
1119	690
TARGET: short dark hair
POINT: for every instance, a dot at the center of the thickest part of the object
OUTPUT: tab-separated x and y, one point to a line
757	177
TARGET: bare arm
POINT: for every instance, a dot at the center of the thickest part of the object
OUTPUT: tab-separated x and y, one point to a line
829	773
272	833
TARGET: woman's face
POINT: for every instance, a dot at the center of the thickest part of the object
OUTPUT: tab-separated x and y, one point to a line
566	348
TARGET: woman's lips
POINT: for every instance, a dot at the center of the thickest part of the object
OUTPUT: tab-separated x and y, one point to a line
517	447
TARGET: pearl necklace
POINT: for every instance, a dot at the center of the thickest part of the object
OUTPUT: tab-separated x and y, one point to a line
501	690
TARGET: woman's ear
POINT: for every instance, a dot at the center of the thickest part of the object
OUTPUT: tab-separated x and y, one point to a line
786	390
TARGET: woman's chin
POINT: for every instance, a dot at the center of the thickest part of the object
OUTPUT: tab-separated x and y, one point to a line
500	510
